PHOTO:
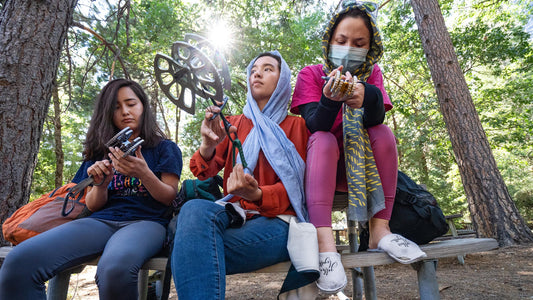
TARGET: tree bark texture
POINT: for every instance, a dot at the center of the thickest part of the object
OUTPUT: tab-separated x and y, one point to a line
492	210
32	33
60	155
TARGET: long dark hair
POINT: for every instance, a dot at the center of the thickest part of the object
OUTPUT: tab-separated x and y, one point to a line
102	129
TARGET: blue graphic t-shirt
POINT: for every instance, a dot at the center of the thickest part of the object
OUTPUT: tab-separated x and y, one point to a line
128	198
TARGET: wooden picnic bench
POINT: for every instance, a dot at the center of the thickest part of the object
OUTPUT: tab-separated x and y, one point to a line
456	233
426	268
362	264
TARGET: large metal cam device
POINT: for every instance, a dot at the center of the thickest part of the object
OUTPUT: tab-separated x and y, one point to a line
195	68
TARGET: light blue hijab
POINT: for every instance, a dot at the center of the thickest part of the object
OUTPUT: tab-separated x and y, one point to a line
266	135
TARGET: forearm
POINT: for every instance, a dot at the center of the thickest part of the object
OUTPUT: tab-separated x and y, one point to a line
320	116
374	109
163	190
207	152
96	197
274	200
204	168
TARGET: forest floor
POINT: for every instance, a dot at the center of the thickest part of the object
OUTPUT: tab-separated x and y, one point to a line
505	273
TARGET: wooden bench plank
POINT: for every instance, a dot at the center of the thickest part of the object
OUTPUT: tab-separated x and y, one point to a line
434	250
281	267
454	216
155	263
439	249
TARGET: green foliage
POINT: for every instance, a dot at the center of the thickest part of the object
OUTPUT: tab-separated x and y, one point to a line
495	54
524	202
425	152
74	119
87	64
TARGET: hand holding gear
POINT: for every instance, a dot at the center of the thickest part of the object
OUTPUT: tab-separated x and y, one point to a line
344	88
339	87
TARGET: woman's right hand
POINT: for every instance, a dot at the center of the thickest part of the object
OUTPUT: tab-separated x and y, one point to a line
100	172
212	131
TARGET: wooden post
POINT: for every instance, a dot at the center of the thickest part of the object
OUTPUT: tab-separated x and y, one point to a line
428	287
58	285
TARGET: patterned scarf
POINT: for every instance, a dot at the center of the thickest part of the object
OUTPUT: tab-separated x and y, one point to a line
365	192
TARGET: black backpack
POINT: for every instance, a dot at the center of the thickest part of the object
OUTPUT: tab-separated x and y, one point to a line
415	215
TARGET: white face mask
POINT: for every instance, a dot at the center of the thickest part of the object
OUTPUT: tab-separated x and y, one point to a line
349	57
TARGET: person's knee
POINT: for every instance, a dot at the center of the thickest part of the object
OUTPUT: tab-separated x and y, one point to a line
323	142
192	210
18	269
115	274
197	215
382	138
194	206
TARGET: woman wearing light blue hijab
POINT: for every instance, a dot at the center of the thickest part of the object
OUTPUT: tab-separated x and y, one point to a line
208	243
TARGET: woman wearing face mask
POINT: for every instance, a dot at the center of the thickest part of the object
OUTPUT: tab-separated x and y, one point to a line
351	45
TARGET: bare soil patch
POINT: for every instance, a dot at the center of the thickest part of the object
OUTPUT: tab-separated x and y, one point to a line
505	273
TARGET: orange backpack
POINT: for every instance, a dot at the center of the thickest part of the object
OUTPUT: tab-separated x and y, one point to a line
44	213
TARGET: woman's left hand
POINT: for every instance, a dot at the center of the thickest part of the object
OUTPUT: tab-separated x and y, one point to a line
356	100
243	185
133	166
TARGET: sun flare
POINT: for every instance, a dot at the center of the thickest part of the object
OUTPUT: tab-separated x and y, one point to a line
220	35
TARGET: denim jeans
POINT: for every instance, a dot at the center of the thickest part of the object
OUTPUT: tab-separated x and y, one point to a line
125	246
206	249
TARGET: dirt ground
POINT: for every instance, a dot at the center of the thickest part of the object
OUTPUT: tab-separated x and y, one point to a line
505	273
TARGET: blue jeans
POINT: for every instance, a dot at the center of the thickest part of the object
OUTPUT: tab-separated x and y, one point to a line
124	247
206	249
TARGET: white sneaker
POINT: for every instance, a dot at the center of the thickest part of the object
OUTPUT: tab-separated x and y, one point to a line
332	276
400	248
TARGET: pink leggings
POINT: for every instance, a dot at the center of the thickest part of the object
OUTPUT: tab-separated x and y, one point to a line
325	172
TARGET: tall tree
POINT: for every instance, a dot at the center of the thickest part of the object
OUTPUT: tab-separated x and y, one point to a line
32	33
492	210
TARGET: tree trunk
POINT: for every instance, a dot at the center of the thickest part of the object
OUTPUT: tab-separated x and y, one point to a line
60	157
32	33
493	212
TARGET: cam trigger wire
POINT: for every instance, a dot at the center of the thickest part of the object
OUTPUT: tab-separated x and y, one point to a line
236	143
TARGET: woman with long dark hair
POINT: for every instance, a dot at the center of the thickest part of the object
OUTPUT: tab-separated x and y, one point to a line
129	203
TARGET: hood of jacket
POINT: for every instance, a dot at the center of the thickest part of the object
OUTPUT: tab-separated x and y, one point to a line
376	47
